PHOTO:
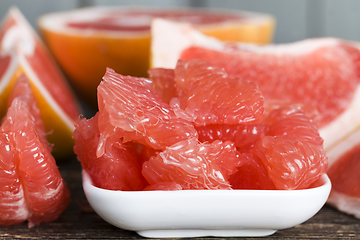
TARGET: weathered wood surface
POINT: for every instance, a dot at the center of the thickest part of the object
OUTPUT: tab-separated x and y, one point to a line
77	223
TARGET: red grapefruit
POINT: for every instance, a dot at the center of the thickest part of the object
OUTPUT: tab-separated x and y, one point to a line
31	185
86	41
22	52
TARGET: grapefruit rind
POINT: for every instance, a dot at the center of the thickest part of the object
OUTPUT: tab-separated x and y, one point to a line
345	203
83	54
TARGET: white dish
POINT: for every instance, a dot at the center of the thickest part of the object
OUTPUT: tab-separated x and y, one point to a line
196	213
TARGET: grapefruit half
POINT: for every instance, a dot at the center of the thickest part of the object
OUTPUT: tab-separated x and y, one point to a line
86	41
22	52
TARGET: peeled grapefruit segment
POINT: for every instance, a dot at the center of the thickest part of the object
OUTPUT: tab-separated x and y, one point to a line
86	41
288	156
22	52
131	109
194	165
210	96
119	168
251	175
322	73
31	185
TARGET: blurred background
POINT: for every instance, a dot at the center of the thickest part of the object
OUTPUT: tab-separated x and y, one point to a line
296	19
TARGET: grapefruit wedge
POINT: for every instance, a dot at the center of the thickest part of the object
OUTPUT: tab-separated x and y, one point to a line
31	187
22	52
344	167
86	41
321	74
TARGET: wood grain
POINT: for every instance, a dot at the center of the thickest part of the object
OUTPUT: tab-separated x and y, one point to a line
77	222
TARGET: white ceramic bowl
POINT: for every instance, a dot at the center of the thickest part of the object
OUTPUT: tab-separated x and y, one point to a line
195	213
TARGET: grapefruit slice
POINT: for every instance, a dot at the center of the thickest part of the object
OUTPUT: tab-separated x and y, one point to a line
329	67
86	41
31	185
22	52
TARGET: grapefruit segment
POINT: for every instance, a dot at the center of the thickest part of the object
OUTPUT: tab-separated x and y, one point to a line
32	187
194	165
210	96
131	109
119	168
288	156
86	41
291	163
24	53
251	175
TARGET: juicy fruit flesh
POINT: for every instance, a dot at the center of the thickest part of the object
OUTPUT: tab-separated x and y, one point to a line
210	96
281	150
193	165
118	168
130	108
344	173
329	73
141	20
32	187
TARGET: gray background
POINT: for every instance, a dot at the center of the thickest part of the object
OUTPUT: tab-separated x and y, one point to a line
296	19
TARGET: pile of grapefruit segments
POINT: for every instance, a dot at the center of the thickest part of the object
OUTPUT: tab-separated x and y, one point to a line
321	74
85	41
212	133
38	112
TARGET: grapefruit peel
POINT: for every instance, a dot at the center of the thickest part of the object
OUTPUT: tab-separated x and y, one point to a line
119	38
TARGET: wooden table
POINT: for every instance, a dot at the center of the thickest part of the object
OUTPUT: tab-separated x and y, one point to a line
77	222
